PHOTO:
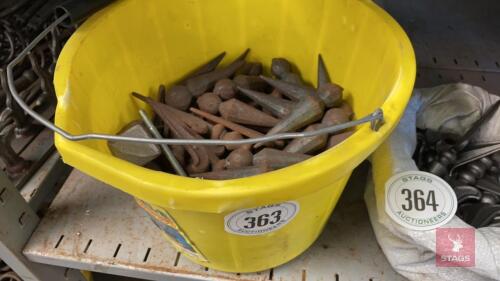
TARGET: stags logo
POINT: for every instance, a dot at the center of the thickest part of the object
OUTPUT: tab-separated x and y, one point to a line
457	243
455	247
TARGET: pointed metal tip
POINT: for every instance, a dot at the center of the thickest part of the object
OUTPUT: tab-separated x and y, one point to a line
244	55
248	92
321	62
219	58
323	76
139	96
244	90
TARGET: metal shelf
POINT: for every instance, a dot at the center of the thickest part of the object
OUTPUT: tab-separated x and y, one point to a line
92	226
454	41
24	198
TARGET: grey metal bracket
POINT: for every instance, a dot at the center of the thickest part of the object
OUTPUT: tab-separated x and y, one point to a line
17	222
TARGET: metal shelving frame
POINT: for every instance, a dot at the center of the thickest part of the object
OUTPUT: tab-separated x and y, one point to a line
24	199
20	207
454	40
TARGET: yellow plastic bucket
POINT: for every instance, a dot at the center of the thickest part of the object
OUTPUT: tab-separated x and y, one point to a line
134	45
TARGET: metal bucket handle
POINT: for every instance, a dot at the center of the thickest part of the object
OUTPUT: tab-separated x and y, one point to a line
376	118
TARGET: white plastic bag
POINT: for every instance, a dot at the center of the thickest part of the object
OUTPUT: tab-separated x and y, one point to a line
451	109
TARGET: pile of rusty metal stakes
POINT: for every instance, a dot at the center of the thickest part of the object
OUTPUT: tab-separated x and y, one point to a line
10	276
7	274
20	22
472	172
232	103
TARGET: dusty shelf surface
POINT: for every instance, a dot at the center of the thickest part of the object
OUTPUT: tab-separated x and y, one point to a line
92	226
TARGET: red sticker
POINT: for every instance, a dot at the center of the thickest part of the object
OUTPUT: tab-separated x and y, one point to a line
455	247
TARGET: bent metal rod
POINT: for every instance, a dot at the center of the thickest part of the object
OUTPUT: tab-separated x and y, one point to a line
375	118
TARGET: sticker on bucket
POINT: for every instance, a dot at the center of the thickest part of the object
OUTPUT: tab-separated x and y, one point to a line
170	228
261	220
419	200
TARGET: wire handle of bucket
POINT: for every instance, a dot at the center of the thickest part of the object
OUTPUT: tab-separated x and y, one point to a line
376	118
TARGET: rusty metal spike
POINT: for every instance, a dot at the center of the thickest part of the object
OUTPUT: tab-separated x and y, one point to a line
196	124
228	124
203	152
238	158
256	69
335	116
213	156
200	84
245	69
207	67
225	89
161	93
277	106
179	131
164	111
137	153
178	96
200	156
219	166
277	159
251	68
338	138
179	153
242	113
293	78
282	69
201	166
294	92
216	133
218	150
280	66
233	174
209	102
310	144
347	109
310	109
164	148
166	130
234	136
276	93
323	76
251	82
330	94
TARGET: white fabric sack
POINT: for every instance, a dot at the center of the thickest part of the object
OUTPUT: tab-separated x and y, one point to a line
451	108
